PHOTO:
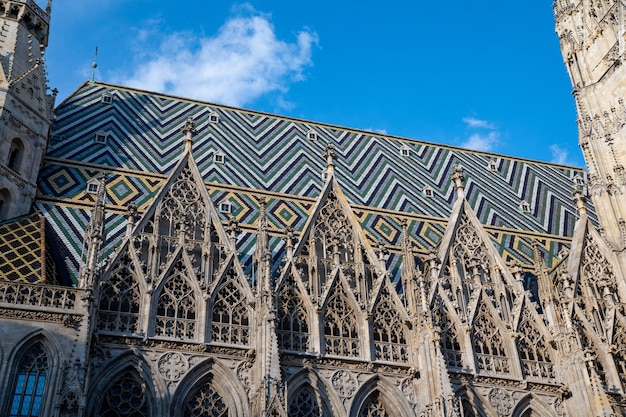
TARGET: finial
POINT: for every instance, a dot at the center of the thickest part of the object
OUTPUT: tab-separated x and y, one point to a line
49	7
580	200
94	65
329	154
458	178
189	130
290	235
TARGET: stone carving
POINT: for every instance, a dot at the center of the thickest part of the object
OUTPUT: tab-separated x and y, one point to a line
344	383
501	401
172	366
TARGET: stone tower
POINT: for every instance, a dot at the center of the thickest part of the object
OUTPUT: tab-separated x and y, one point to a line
25	106
591	33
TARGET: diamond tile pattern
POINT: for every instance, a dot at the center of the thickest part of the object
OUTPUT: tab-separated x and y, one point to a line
23	249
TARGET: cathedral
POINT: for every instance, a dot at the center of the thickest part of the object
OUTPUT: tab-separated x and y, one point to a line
163	256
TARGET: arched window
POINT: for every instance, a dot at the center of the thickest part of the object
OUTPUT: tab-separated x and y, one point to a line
30	385
488	344
293	319
176	308
119	304
373	407
230	319
125	397
16	153
304	404
5	202
205	400
450	347
533	351
390	342
341	336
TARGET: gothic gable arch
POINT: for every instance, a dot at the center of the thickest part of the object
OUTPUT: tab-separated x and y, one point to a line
294	326
378	389
470	262
130	378
592	264
342	320
184	200
491	345
120	298
391	336
332	235
177	305
214	382
328	401
534	349
231	315
450	328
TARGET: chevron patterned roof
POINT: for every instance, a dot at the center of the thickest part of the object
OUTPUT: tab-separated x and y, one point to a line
383	176
24	255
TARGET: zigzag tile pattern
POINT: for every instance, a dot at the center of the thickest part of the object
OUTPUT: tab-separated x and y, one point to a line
272	156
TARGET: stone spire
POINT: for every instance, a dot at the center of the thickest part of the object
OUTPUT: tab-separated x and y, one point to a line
94	236
591	34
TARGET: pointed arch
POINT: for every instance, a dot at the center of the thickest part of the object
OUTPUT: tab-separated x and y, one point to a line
126	396
120	301
378	397
341	324
205	400
176	313
305	403
488	343
532	406
210	389
389	333
126	387
32	372
31	382
294	322
230	315
307	380
374	406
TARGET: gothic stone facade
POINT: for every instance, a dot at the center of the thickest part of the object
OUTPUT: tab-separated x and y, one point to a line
191	259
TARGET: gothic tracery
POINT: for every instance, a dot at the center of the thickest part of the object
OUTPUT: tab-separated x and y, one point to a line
488	344
390	334
341	335
176	309
119	303
293	318
230	316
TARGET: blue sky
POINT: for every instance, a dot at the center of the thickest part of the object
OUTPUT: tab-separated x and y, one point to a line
484	75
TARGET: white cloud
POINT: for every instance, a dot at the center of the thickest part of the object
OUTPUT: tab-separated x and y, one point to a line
242	62
375	130
485	136
482	142
477	123
559	155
